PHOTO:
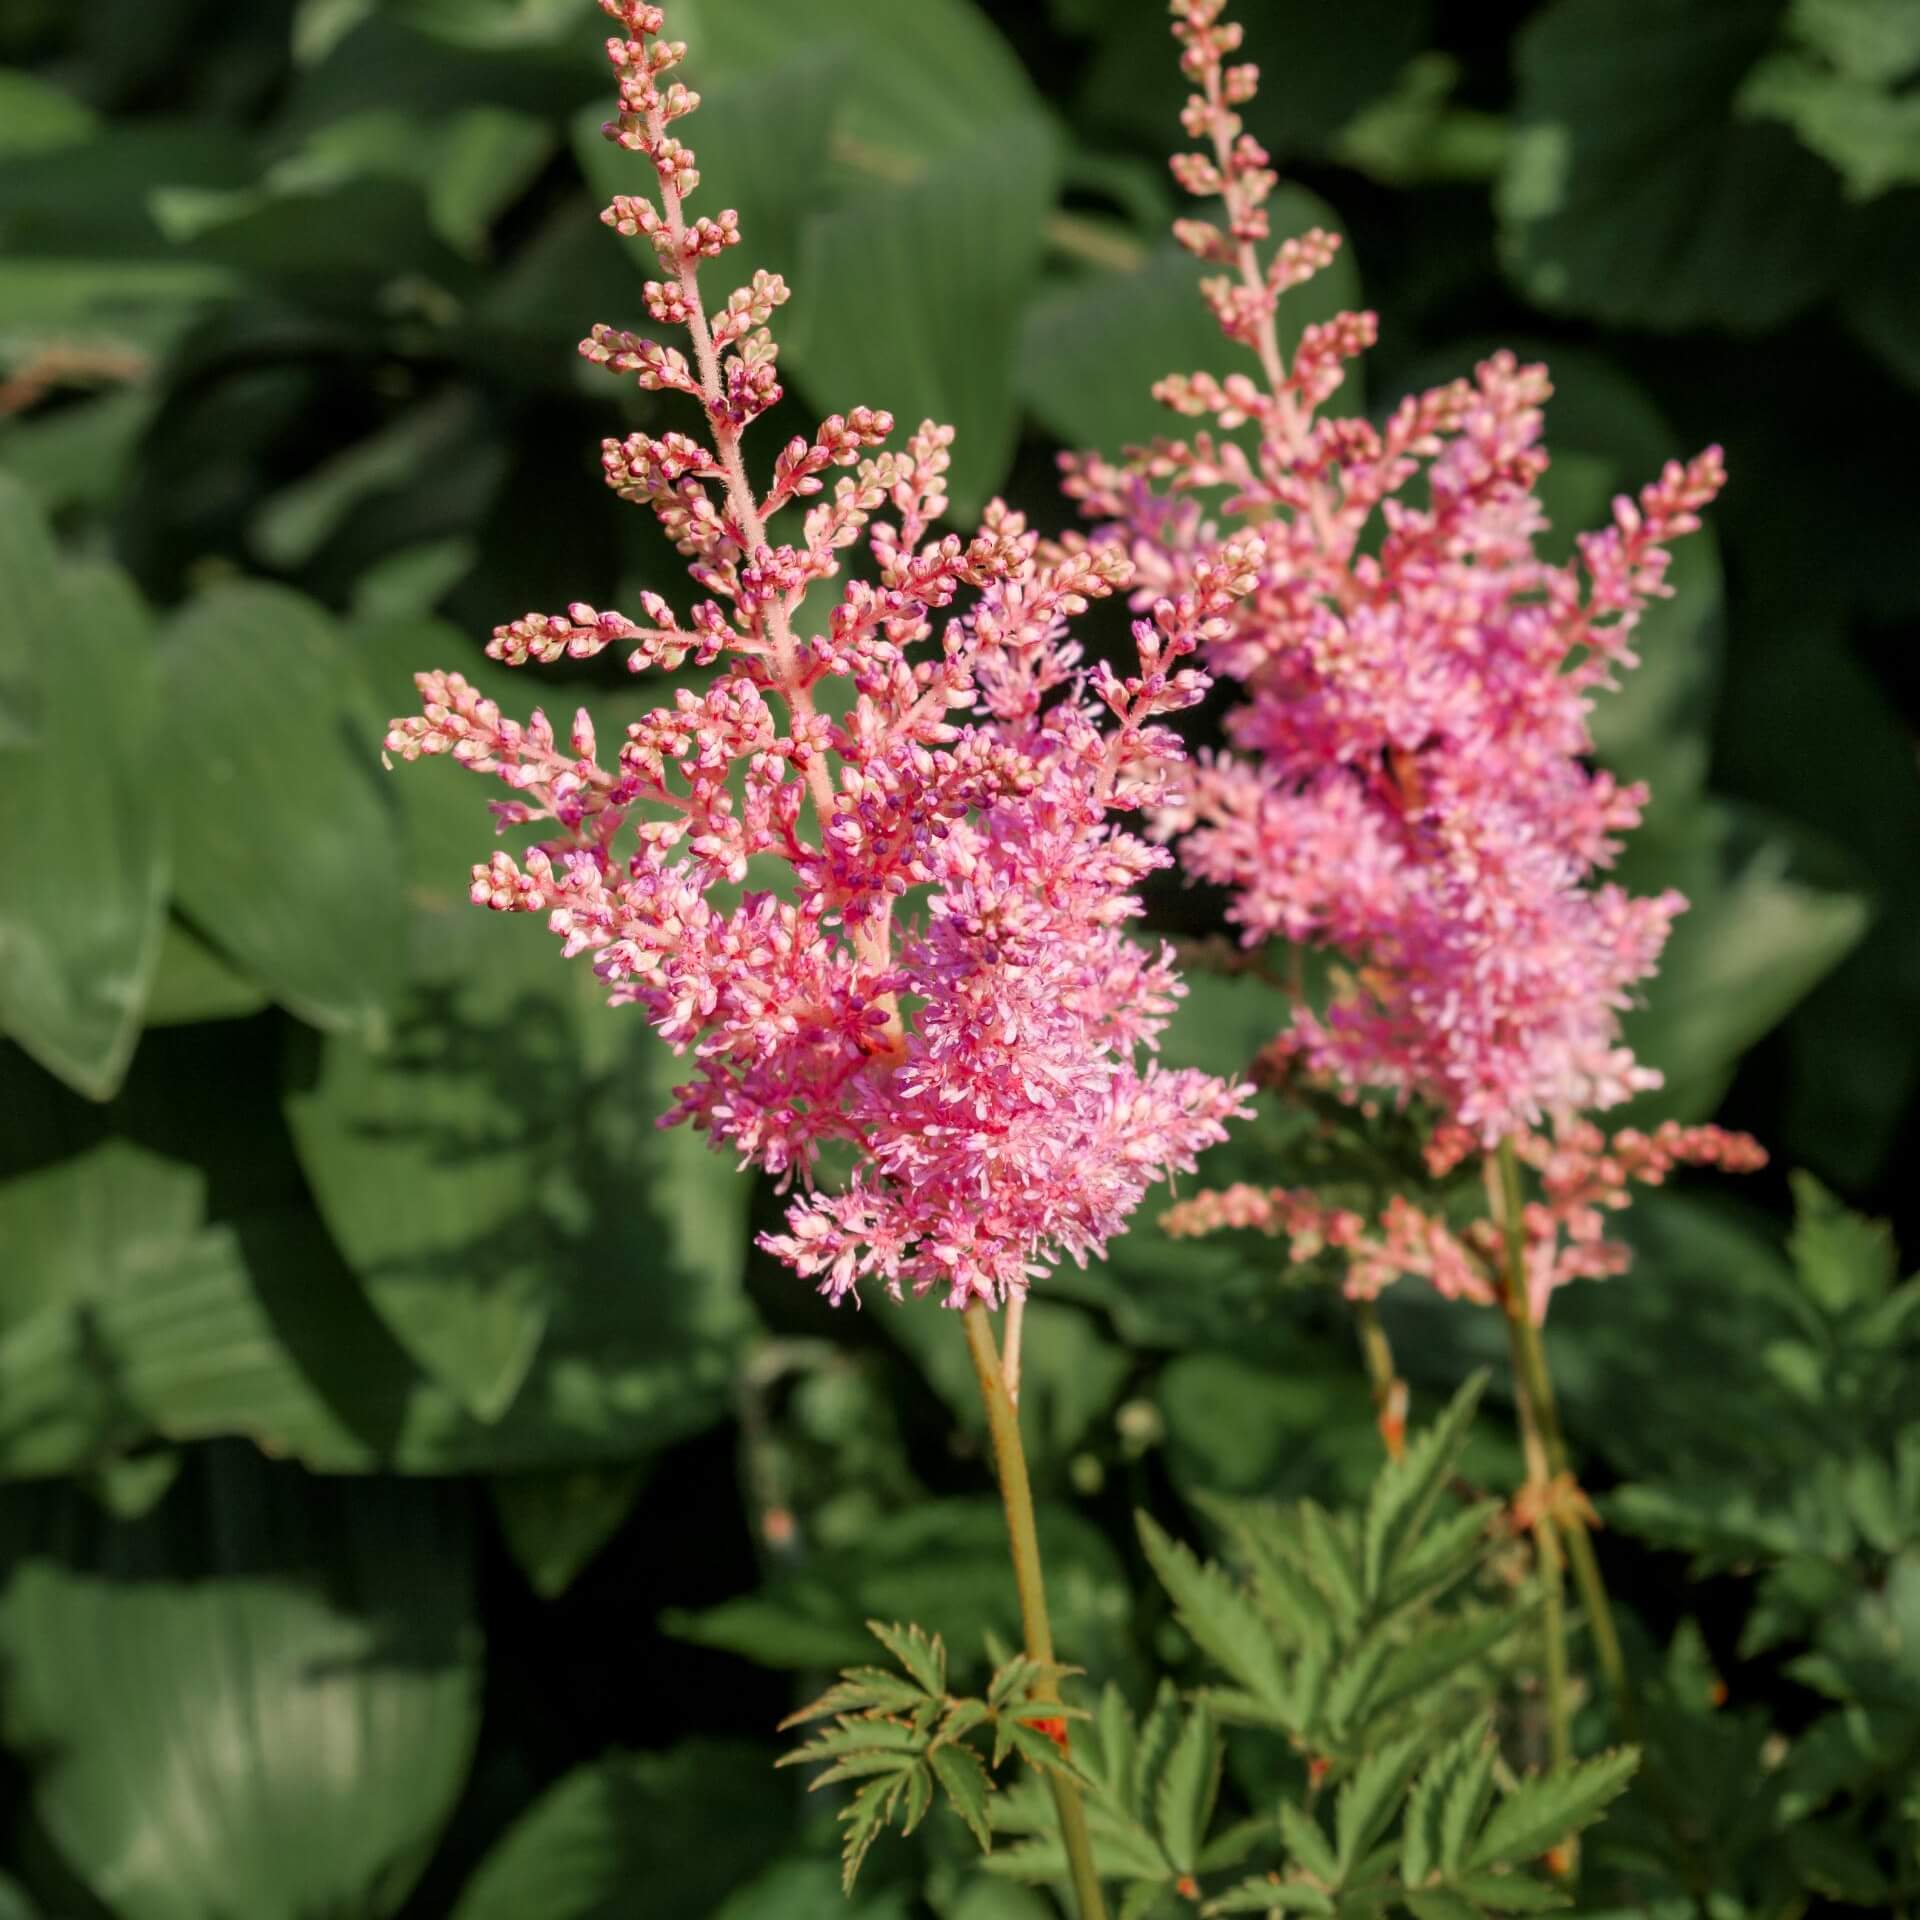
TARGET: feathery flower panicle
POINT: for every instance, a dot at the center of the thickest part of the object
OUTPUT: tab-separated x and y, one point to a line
1583	1175
946	985
1410	784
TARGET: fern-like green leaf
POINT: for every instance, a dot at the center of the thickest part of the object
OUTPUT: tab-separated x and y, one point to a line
1267	1895
1307	1844
1403	1496
965	1782
1224	1624
924	1655
1188	1786
1542	1812
1421	1849
1370	1799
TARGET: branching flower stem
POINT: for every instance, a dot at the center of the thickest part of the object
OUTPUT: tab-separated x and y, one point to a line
1534	1383
1016	1495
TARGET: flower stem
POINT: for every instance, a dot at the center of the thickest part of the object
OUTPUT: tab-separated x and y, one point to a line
1016	1495
1389	1390
1535	1383
1503	1196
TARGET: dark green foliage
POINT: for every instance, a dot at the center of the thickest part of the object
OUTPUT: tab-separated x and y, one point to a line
368	1358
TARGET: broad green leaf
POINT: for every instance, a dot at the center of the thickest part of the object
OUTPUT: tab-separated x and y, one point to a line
83	892
1138	325
665	1832
1768	917
943	1564
810	1890
191	982
555	1522
132	310
913	290
1864	39
1631	193
908	275
157	1325
1542	1812
36	116
493	1161
1070	1373
260	1700
286	848
1869	135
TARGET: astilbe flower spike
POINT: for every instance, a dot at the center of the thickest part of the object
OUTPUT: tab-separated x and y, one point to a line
1412	784
945	985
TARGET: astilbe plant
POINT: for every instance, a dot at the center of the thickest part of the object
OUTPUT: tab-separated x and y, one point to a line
1412	785
944	985
870	872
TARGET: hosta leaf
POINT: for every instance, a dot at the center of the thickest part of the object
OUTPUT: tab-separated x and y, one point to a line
686	1826
298	1657
287	850
1223	1622
191	982
555	1522
83	892
1630	191
1140	323
1542	1812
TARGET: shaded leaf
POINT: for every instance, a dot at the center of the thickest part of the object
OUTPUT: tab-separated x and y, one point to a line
304	1655
83	893
555	1522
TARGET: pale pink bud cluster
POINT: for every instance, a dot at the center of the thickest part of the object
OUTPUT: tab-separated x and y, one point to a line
1583	1177
1412	785
941	979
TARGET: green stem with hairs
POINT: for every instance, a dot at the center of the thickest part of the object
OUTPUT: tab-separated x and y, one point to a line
1016	1495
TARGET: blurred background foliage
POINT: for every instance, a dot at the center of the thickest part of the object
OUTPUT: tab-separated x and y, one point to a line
423	1502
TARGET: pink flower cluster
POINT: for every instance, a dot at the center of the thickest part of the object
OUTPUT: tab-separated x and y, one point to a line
941	980
1412	785
1583	1177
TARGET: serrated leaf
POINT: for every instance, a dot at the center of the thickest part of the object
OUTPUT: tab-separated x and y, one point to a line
1439	1654
966	1784
1370	1798
1307	1846
1440	1903
1223	1623
1544	1811
1844	1260
1270	1896
1420	1836
923	1655
865	1817
1512	1893
1464	1803
1403	1496
860	1690
1184	1796
1332	1563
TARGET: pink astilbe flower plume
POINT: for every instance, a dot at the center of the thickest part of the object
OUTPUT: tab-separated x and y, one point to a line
1411	785
945	986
